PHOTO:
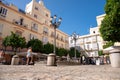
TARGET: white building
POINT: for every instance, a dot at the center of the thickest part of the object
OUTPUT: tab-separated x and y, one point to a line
90	44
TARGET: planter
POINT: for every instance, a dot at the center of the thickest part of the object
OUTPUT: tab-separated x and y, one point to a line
115	58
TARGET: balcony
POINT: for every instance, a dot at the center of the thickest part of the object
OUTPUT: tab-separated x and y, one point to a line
34	29
45	33
2	16
20	24
94	40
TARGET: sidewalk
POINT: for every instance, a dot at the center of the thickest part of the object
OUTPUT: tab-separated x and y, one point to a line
43	72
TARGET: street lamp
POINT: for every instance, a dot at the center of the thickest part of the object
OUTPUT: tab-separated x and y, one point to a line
74	37
55	23
51	60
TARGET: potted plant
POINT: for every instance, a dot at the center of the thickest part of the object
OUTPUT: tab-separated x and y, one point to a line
110	29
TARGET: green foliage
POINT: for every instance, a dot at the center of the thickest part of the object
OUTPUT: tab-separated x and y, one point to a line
108	44
48	48
110	27
72	52
62	52
37	45
77	53
6	41
100	52
15	41
22	42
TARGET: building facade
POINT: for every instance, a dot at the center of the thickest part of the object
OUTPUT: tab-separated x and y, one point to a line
89	45
34	22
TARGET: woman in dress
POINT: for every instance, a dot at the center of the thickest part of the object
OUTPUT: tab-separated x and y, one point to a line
29	56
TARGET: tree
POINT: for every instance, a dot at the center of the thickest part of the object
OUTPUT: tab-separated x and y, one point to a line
110	27
72	52
22	42
37	45
62	52
15	41
100	52
6	41
108	44
48	48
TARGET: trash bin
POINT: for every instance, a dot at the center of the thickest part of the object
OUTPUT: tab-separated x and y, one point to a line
51	60
15	60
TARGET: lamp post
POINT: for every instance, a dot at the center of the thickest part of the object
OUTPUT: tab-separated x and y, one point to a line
55	23
74	37
51	61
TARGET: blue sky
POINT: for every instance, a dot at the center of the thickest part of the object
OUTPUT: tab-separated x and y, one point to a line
78	15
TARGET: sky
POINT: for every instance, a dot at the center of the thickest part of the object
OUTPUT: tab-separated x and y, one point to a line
77	15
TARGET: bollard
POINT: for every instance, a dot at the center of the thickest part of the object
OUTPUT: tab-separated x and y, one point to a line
115	58
15	60
51	60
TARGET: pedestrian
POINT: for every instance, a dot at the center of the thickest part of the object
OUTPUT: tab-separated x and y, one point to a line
29	56
2	53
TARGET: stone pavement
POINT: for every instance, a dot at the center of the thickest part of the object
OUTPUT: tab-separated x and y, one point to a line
60	72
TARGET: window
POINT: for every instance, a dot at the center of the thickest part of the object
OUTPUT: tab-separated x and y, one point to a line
36	8
32	36
94	38
87	47
61	38
3	12
35	16
88	39
71	41
21	21
45	30
96	53
57	36
46	15
45	40
93	31
95	46
34	27
66	39
1	28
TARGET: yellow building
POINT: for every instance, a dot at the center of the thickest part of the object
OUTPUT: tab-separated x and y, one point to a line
34	22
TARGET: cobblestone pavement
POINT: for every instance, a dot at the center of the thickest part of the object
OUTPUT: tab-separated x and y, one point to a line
43	72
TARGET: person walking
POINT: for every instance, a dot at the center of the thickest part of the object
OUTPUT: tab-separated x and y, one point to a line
29	56
2	53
